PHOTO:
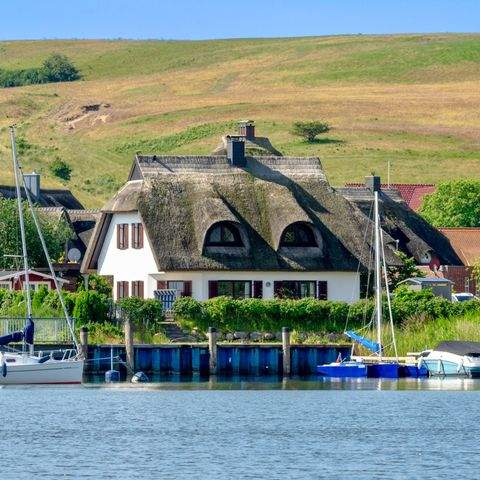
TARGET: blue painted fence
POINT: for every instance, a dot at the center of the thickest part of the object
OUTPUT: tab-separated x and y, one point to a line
249	360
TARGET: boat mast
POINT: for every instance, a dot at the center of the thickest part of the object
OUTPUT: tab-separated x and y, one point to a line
22	224
378	276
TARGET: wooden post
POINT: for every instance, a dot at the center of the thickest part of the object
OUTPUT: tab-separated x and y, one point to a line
130	354
84	342
212	349
286	351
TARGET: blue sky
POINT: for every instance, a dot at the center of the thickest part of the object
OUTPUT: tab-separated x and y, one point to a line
201	19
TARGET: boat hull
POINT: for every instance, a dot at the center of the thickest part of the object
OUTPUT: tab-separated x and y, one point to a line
441	363
383	370
343	370
51	372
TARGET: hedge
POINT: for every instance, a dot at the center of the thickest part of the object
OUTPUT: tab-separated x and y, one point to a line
309	315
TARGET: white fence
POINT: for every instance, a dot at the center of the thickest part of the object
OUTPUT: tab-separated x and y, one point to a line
47	330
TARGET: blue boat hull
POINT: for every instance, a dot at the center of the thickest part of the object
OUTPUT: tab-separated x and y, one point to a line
343	370
383	370
412	371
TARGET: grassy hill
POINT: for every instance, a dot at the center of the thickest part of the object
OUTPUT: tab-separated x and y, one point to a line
412	99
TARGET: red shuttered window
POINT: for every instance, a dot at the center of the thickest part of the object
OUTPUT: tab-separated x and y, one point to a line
122	236
137	289
137	235
122	289
322	290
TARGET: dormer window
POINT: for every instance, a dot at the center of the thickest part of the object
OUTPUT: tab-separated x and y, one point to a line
223	234
298	235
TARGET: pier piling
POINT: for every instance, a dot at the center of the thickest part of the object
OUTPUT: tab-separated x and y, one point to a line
286	351
130	356
212	349
84	342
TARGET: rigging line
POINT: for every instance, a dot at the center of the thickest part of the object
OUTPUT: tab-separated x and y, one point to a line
50	266
364	240
387	290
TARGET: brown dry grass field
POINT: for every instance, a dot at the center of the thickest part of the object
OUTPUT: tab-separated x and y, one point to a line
413	100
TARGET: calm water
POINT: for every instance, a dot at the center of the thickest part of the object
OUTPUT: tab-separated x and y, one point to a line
224	430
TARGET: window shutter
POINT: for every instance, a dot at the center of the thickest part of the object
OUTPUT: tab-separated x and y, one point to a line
277	289
140	289
322	290
161	285
125	236
134	235
125	290
212	289
134	288
257	289
187	288
119	290
140	235
119	237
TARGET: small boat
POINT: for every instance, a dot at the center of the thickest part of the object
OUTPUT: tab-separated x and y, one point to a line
455	358
376	366
25	366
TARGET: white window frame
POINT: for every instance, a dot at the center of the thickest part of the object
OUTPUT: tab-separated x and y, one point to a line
35	284
4	285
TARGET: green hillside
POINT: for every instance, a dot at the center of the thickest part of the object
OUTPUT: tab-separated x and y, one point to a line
411	99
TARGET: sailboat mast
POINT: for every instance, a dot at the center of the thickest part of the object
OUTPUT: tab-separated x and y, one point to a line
22	223
378	276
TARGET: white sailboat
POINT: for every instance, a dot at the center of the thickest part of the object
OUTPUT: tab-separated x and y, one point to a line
25	366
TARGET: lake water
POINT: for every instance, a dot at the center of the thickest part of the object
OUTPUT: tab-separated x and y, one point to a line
364	429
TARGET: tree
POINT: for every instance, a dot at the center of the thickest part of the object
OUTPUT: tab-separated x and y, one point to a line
58	68
61	169
56	233
408	269
454	204
310	130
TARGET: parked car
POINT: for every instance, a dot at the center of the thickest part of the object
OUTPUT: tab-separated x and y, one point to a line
463	297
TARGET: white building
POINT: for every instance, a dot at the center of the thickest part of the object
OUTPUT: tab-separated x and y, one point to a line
230	224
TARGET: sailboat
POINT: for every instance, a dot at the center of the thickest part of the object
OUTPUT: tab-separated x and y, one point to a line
25	366
376	366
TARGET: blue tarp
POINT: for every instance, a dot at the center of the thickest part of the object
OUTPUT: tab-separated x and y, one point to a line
28	331
11	337
370	344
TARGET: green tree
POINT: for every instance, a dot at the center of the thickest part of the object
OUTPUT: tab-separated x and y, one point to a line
408	269
56	233
61	169
310	130
454	204
58	68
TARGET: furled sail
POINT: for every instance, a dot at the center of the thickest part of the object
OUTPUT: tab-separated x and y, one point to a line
26	334
369	344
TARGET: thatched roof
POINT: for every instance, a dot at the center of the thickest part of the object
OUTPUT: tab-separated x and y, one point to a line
49	197
181	197
415	236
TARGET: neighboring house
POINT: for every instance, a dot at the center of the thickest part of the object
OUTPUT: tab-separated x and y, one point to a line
411	193
15	280
412	234
61	204
466	243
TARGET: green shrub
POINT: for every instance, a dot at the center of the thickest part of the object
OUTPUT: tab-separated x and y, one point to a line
143	313
61	169
90	306
310	130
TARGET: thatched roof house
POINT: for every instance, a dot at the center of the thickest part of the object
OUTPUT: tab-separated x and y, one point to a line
240	224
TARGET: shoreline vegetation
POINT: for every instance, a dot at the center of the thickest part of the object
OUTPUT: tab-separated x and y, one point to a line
421	320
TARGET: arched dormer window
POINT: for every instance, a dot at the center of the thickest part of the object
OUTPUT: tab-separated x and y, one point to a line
298	235
223	234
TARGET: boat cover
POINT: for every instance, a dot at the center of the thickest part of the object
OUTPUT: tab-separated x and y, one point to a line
11	337
370	344
28	331
460	348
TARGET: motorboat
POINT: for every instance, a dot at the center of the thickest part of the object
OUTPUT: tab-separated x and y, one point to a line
24	366
453	358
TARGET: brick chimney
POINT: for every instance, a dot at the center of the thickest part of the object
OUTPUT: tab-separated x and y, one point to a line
32	182
236	150
372	182
247	129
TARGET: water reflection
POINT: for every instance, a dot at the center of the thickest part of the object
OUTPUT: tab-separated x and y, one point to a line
192	382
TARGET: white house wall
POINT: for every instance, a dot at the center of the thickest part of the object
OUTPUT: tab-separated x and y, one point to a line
130	264
342	286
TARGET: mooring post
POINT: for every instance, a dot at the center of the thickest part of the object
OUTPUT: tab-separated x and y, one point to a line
212	350
286	351
130	354
84	342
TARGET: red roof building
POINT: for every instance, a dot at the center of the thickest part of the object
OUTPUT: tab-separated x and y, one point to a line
465	242
412	193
